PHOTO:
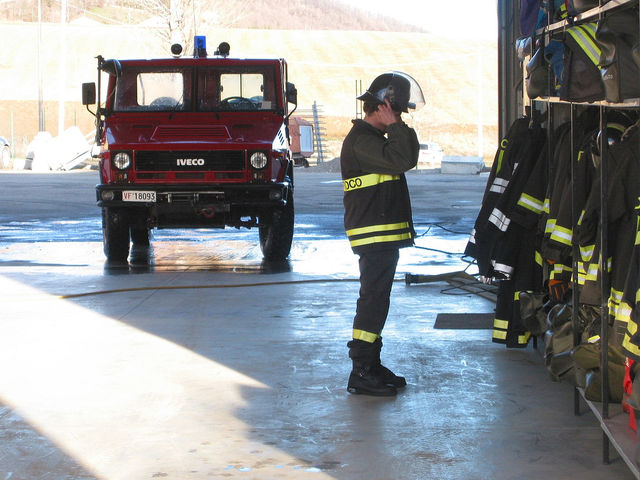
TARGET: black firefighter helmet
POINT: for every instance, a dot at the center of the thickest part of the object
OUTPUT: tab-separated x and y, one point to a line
400	88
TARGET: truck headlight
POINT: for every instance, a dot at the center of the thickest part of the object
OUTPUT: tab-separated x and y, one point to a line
122	160
258	160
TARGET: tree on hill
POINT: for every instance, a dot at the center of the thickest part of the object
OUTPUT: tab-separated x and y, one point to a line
181	18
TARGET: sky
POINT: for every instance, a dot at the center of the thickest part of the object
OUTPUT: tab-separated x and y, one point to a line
463	18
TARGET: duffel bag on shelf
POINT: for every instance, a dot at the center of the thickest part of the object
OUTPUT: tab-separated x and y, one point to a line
617	35
537	79
574	7
581	79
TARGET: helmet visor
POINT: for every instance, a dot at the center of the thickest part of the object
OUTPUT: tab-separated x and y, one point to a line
401	89
416	97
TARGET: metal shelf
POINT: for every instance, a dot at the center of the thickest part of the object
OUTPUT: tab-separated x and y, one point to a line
584	16
628	103
617	429
613	421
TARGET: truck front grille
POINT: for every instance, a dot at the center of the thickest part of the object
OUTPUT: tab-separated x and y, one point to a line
189	161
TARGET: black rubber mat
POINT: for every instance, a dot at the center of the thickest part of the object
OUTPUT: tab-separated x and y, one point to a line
464	321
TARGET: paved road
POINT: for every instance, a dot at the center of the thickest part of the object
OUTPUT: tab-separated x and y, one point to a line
58	209
196	360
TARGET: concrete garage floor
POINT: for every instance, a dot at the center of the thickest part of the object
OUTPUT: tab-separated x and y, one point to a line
183	374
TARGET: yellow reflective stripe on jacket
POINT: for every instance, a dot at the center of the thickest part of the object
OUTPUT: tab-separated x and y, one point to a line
503	147
550	225
524	338
614	301
501	324
538	258
624	312
562	11
377	228
364	335
380	239
530	203
500	334
369	180
562	235
628	345
584	35
586	252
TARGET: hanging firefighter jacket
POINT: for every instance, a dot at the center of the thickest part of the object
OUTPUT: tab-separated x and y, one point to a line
628	311
623	194
506	324
508	239
498	244
556	247
620	228
507	246
625	199
518	149
481	239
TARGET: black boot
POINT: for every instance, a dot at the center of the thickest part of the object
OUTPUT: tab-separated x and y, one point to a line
363	379
387	376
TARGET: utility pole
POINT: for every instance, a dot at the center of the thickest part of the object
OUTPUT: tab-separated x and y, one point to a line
479	96
40	102
61	72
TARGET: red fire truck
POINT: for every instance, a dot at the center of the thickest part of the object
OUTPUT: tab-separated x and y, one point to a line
193	142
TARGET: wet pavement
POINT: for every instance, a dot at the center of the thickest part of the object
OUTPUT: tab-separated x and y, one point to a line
196	359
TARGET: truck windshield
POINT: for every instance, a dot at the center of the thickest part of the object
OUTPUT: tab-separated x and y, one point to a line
236	88
240	88
152	90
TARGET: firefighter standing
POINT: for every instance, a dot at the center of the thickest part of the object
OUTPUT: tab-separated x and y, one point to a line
375	154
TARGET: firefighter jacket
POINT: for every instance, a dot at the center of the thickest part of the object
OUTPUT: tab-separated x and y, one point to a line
507	254
628	312
557	243
519	145
621	193
623	206
504	249
376	197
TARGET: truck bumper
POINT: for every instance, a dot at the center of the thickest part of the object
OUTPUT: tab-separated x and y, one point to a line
196	205
264	195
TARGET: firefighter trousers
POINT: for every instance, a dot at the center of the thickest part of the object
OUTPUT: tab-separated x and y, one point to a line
377	270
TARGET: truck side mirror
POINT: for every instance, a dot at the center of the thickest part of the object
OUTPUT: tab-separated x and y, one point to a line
88	94
292	93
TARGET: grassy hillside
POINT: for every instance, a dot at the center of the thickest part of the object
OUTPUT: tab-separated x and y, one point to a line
325	65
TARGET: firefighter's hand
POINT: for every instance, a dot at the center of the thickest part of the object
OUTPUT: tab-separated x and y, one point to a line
386	115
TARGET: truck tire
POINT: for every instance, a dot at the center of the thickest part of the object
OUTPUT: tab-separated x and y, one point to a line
115	234
277	233
140	236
